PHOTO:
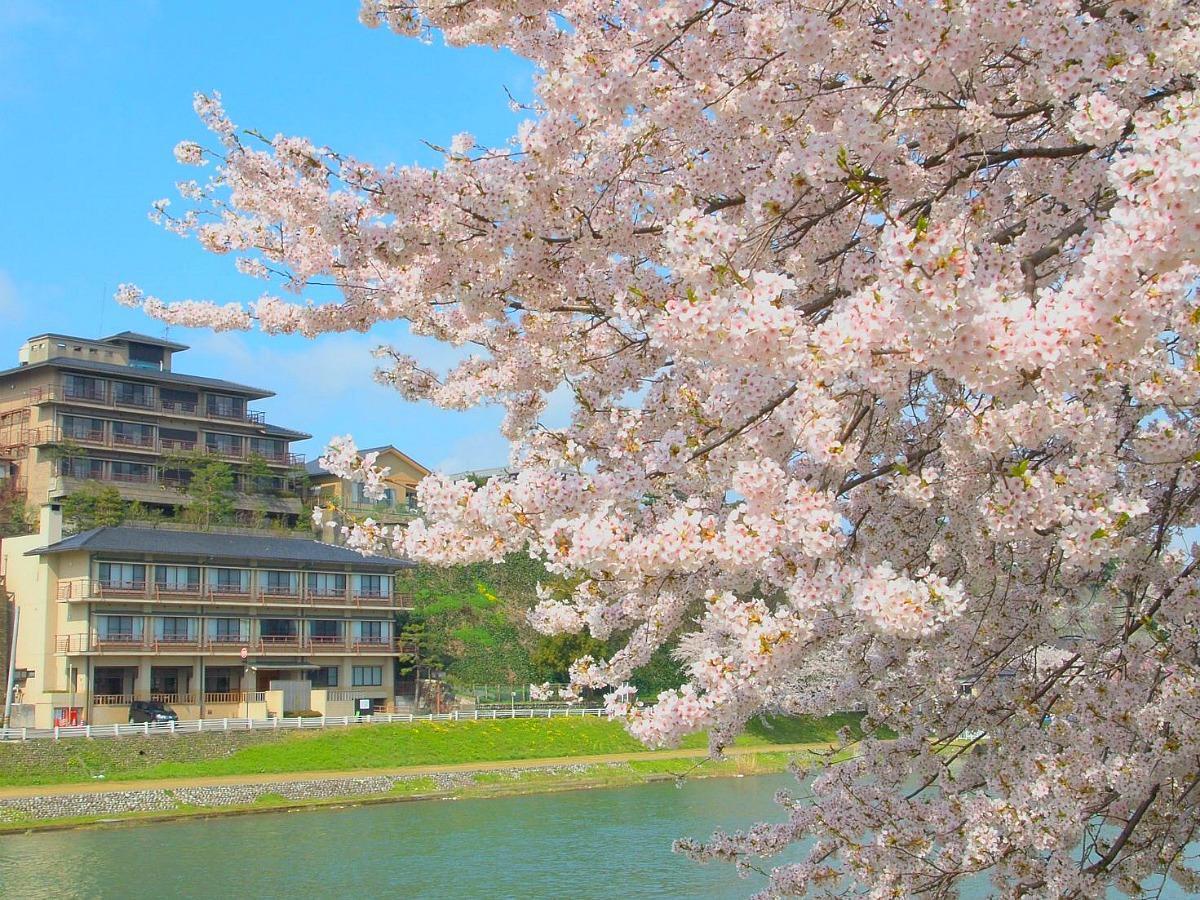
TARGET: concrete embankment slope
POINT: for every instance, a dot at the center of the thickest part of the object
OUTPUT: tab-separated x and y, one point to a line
40	806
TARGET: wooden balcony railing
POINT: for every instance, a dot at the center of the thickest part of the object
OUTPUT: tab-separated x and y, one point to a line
127	644
91	589
104	394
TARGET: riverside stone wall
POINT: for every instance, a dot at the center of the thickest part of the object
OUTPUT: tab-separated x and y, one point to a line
124	802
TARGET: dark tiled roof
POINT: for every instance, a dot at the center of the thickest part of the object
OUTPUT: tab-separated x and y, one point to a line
126	540
280	431
138	338
152	375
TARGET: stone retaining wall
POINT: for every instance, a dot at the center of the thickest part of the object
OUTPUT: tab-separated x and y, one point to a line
115	803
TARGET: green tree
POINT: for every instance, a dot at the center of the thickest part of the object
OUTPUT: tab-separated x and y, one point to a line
94	505
15	517
208	484
553	655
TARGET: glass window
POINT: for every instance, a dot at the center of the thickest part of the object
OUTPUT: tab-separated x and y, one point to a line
132	394
129	471
80	428
118	628
226	630
81	468
326	584
123	576
277	582
325	628
174	629
325	677
177	578
371	632
369	585
228	444
367	676
232	580
222	679
81	387
226	407
133	433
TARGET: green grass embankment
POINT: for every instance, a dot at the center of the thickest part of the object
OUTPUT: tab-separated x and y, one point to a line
357	747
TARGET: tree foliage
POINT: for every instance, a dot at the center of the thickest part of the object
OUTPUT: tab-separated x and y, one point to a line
94	505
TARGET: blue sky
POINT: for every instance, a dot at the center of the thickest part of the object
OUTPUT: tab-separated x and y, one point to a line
93	97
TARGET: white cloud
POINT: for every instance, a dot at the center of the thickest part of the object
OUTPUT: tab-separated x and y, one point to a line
12	308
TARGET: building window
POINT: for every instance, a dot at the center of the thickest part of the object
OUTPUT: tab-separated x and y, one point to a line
370	632
174	629
325	628
369	585
78	428
270	448
128	471
108	681
277	583
367	676
225	444
177	578
80	387
230	581
226	631
132	434
122	576
277	628
85	467
118	628
226	407
325	677
132	394
222	679
326	584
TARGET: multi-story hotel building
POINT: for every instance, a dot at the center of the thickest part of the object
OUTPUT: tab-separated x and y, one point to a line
213	625
113	411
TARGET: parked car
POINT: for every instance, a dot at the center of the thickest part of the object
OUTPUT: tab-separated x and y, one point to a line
151	711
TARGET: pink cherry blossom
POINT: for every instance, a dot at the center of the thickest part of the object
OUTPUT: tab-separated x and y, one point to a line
880	329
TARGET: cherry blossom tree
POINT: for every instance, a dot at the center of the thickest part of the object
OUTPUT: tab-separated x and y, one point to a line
880	323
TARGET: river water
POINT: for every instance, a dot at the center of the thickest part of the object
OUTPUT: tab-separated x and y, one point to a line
605	843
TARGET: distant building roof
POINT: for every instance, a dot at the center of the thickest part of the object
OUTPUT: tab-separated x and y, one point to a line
138	338
153	375
280	431
131	541
314	468
495	472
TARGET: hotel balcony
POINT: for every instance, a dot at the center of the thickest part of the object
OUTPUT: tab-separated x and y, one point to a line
153	445
103	395
92	590
95	644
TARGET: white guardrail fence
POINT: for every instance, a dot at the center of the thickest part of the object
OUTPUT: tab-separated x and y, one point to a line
238	724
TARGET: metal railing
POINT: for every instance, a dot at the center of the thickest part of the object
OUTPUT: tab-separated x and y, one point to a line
121	644
277	724
103	394
92	589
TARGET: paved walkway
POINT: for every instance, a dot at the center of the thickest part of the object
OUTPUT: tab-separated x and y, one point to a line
103	787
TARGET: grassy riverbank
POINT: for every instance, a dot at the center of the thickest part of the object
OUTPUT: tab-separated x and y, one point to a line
357	747
496	781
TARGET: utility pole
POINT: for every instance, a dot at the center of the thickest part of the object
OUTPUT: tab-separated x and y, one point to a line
12	667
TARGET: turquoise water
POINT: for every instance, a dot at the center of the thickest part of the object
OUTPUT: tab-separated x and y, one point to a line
607	843
579	844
